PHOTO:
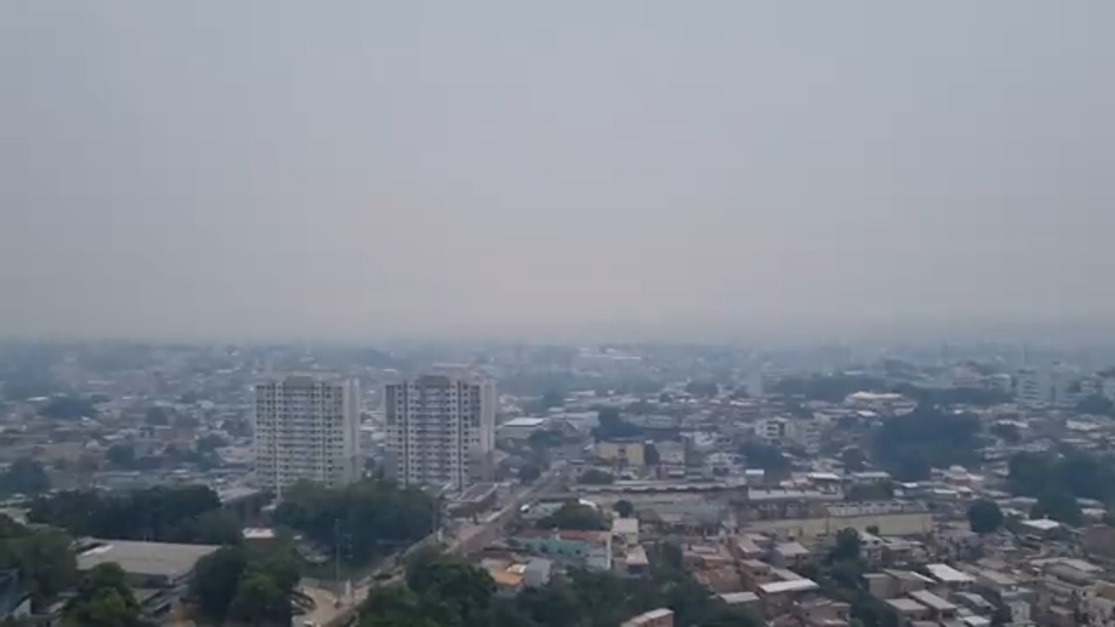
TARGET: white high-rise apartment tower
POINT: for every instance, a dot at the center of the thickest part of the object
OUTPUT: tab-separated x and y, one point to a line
307	429
441	430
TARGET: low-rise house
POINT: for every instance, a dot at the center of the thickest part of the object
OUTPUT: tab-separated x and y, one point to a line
589	549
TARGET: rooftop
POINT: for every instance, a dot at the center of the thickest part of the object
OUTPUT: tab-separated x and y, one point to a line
796	585
1043	524
524	422
148	559
931	600
739	598
905	605
948	574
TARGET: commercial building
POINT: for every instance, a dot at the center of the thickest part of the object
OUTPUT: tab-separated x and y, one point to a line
307	429
623	452
441	430
158	572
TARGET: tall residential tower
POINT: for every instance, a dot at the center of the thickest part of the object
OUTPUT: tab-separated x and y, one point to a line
307	429
441	430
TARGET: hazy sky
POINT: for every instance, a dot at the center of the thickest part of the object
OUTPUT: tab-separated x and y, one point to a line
272	167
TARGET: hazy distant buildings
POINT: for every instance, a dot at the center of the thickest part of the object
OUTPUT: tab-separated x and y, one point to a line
441	429
1059	386
307	428
805	433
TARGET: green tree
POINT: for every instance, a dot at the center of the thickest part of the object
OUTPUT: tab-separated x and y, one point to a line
1073	472
910	446
216	580
1058	506
529	473
267	592
161	514
25	476
575	517
395	606
68	408
829	388
624	508
121	456
984	516
612	426
103	599
210	443
1096	405
874	491
765	456
212	527
43	558
854	459
455	589
371	518
847	546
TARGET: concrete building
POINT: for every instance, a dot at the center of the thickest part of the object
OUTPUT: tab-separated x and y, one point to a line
158	572
441	430
798	432
623	452
307	429
584	549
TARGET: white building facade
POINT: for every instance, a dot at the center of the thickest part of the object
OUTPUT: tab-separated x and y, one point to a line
307	428
441	430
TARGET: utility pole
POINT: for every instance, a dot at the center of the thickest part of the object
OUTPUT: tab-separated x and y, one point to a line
337	555
437	518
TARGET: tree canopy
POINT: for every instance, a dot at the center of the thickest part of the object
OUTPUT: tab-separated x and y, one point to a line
765	456
104	599
575	516
840	574
592	476
444	592
252	587
1058	506
874	491
984	516
624	508
188	515
68	408
1096	405
828	388
837	387
370	518
613	427
43	558
1074	472
853	459
25	476
910	446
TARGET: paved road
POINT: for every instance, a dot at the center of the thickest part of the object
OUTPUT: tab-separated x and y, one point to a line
325	607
